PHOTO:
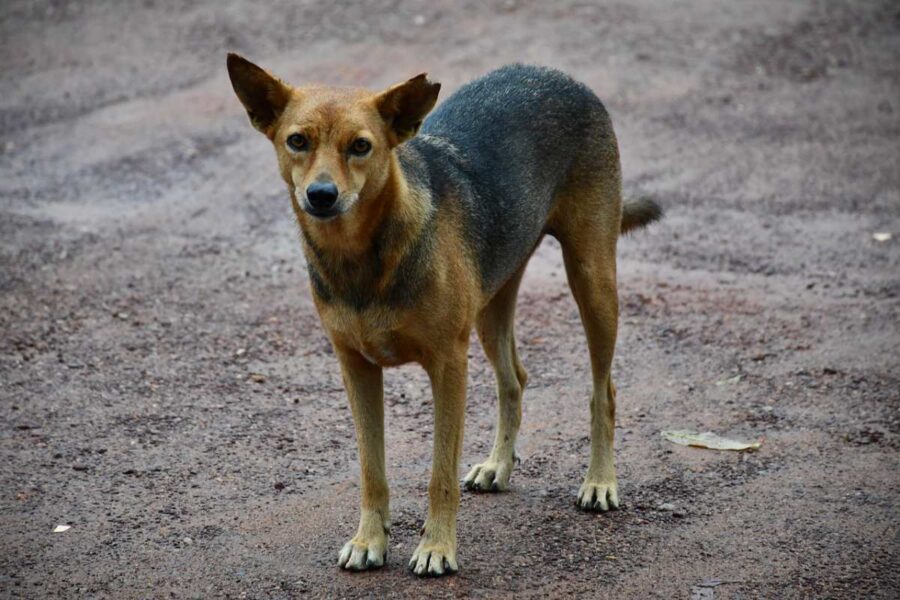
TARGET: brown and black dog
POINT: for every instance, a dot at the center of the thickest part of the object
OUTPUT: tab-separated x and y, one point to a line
415	231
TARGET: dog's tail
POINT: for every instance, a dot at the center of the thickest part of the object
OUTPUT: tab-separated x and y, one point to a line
638	213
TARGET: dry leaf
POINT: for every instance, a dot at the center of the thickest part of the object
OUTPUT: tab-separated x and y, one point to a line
735	379
61	528
707	439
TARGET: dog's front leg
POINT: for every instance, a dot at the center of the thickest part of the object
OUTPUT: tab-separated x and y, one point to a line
436	554
365	389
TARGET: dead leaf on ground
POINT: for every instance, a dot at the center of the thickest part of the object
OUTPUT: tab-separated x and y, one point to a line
708	439
730	380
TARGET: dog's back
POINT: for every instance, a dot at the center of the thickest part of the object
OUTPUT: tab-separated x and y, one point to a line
505	147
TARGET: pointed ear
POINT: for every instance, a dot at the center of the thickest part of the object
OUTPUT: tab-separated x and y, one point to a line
263	95
404	106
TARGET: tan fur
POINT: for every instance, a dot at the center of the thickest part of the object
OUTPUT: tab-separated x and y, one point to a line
589	250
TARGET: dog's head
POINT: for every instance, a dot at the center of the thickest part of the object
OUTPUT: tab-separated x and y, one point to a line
334	145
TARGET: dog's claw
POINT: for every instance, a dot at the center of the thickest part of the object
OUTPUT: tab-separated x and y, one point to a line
433	559
432	564
489	476
598	496
357	557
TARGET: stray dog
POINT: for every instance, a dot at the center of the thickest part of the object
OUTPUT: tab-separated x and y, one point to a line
416	230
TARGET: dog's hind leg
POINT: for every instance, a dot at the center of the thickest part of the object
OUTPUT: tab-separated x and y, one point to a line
496	331
587	226
592	277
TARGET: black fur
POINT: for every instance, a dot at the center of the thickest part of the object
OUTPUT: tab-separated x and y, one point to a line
503	145
352	282
411	277
639	213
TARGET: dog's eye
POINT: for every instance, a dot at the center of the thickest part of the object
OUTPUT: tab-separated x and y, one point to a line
297	142
360	146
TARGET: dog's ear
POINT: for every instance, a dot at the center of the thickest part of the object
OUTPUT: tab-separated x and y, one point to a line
404	106
263	95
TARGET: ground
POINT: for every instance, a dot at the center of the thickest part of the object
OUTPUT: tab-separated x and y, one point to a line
167	392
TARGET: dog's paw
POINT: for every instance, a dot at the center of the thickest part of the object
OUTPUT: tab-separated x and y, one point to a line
368	548
599	496
489	476
433	559
363	555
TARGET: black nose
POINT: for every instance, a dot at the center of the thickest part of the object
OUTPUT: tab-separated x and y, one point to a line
321	196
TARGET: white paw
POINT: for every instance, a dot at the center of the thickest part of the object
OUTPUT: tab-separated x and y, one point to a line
489	476
433	559
363	555
598	496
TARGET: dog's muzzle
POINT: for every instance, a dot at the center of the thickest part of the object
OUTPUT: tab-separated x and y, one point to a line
322	200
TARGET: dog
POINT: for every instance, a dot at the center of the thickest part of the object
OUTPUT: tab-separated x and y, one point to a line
416	230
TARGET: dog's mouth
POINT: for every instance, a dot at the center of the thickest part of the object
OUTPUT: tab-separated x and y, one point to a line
323	214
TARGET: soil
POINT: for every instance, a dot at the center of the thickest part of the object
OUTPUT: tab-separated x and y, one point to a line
167	392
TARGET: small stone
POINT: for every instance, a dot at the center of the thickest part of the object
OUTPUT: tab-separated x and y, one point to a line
187	541
666	507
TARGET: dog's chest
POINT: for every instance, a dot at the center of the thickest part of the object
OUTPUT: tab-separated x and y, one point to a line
381	352
380	344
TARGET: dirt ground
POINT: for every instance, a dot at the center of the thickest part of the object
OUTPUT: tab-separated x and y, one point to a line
166	390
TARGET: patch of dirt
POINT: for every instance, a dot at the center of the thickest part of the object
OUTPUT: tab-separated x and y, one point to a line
166	390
